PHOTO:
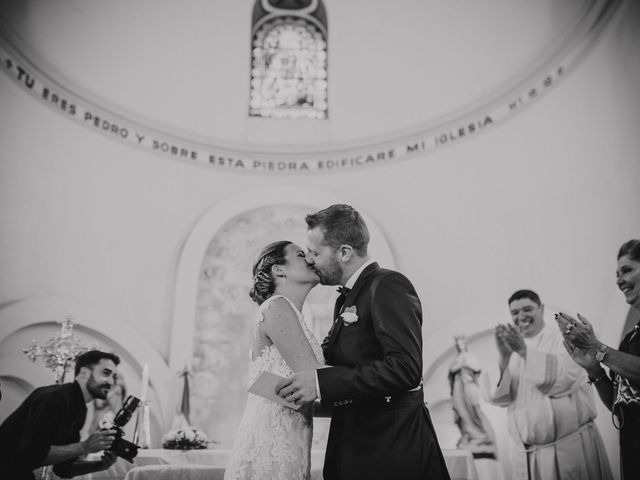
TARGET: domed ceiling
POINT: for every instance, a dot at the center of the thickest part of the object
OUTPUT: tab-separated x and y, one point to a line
416	73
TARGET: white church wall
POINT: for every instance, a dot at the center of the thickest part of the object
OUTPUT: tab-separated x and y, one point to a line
542	200
391	66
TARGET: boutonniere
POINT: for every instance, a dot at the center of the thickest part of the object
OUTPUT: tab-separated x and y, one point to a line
349	316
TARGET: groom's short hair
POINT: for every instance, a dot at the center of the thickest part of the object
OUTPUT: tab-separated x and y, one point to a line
341	225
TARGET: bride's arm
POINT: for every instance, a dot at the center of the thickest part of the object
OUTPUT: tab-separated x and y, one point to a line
282	327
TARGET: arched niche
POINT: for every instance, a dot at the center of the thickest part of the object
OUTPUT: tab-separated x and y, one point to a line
213	312
36	319
481	345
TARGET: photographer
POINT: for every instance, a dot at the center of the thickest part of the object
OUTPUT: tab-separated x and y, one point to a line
44	429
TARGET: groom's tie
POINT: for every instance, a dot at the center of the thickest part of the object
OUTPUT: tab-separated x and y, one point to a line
339	303
344	291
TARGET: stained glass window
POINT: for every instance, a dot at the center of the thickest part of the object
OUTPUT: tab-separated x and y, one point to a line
289	70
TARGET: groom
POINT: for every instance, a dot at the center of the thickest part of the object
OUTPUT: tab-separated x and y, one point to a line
380	426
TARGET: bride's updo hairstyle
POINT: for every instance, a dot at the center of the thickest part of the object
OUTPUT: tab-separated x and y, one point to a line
263	280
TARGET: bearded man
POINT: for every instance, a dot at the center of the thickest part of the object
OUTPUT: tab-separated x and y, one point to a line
45	428
380	425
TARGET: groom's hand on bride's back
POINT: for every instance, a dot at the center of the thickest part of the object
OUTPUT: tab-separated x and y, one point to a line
299	389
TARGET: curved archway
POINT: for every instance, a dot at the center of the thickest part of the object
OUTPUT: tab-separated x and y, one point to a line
213	312
198	240
22	321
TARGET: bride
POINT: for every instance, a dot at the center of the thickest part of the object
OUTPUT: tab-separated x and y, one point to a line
274	441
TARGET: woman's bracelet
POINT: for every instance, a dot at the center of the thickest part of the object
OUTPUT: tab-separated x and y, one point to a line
593	381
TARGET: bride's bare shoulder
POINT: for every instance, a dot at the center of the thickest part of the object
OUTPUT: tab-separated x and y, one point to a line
279	309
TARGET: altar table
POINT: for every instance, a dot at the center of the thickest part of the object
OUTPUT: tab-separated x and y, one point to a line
208	464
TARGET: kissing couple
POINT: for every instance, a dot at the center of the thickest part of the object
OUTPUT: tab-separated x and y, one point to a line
367	373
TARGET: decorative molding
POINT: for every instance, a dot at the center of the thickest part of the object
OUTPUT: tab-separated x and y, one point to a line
44	83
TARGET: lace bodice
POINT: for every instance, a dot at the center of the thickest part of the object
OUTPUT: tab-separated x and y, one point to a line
273	441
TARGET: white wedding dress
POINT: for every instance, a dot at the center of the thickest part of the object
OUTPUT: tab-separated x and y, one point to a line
273	441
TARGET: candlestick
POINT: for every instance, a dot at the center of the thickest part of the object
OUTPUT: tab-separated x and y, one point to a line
145	383
146	426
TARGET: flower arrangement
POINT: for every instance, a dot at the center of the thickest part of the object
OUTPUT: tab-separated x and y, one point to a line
187	438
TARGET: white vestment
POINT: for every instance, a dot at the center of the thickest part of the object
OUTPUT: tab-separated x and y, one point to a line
550	410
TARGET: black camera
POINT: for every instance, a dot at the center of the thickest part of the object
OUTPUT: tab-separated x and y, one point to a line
120	446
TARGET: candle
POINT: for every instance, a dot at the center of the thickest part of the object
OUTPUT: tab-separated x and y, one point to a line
145	383
146	427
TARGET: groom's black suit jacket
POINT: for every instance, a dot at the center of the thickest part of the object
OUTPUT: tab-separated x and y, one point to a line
378	428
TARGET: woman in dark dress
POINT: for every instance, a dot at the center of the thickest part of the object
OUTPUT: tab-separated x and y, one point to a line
620	389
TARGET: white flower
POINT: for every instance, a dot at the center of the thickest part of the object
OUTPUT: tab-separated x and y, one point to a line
349	316
185	438
107	421
189	435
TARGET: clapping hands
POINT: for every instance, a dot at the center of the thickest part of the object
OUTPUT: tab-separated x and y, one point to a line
509	340
578	332
579	340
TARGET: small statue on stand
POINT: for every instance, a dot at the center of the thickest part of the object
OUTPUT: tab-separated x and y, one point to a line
182	435
181	420
476	433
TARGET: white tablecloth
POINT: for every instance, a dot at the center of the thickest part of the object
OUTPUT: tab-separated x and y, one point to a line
175	472
460	464
208	464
